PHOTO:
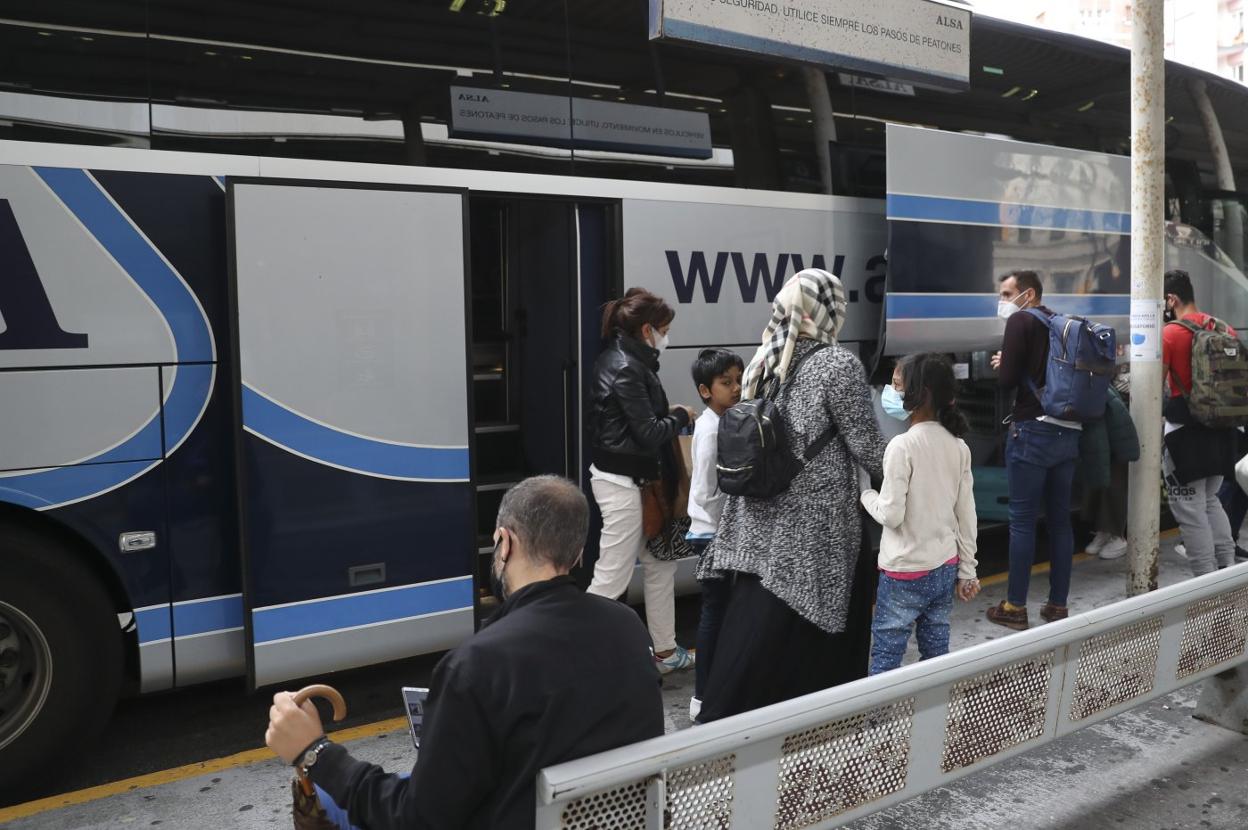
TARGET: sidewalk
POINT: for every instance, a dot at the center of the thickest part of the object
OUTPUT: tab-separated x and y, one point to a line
1153	767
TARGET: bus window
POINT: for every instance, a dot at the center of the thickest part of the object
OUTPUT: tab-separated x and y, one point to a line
372	83
757	110
76	77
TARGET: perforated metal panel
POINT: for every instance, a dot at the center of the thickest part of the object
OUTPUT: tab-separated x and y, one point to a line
1214	631
623	808
699	796
1116	667
843	764
996	710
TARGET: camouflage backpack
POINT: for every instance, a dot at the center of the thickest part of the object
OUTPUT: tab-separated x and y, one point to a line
1219	396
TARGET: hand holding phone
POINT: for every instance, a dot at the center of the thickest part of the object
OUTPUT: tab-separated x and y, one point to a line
414	704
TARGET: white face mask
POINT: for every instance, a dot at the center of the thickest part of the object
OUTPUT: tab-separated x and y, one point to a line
1007	308
660	341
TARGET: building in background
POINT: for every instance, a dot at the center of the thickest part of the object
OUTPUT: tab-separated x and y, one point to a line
1206	34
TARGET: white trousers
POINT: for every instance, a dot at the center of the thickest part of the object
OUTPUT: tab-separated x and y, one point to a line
619	548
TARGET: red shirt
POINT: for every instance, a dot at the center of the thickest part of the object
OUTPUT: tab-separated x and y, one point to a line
1176	352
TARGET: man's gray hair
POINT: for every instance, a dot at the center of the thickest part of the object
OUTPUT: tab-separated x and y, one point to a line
550	516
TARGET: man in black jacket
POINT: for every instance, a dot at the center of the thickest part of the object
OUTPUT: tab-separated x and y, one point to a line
555	674
1040	455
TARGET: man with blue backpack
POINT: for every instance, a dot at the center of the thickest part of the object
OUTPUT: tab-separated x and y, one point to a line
1060	367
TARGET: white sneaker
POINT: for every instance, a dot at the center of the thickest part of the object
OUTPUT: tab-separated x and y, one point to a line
1115	547
1098	542
680	658
1181	550
695	708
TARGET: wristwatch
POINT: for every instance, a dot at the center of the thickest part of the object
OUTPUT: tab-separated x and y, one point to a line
310	755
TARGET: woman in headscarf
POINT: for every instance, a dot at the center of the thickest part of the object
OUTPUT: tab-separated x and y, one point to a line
794	558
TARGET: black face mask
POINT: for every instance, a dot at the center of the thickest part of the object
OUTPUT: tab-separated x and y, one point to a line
1168	315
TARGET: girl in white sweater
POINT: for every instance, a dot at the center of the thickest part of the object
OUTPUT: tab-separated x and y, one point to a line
927	508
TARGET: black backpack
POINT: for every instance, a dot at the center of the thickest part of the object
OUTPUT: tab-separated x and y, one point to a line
754	456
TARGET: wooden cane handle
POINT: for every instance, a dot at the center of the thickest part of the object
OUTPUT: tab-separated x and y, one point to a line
340	711
329	693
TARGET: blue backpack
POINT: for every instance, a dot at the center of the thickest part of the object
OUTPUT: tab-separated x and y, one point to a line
1080	367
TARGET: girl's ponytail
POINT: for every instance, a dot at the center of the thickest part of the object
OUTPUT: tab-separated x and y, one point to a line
952	419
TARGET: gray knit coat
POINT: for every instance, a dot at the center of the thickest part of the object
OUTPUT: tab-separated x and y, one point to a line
803	544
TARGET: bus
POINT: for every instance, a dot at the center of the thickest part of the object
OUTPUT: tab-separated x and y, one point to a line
292	293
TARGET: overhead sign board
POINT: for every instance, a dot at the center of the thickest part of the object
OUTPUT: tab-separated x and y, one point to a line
580	123
876	84
928	41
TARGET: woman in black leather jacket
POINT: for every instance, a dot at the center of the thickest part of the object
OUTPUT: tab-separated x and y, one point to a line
633	428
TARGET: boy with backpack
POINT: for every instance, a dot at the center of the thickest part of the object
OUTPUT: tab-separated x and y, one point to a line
1056	393
1206	369
717	375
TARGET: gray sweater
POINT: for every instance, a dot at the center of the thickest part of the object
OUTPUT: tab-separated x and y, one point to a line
803	544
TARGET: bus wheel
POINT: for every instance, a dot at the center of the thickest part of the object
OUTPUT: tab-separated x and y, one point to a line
60	655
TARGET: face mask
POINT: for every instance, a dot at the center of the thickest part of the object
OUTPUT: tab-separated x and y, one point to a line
1168	315
1007	308
893	404
660	341
497	587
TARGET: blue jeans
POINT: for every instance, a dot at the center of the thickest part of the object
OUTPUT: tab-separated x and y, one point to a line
902	604
338	815
1040	466
715	593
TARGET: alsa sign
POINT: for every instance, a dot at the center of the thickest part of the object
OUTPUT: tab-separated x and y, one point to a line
907	40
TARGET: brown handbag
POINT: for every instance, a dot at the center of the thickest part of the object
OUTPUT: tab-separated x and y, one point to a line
656	510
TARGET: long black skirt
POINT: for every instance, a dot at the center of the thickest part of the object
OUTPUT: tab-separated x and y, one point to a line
767	653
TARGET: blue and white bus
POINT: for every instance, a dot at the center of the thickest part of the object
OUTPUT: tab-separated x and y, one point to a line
291	293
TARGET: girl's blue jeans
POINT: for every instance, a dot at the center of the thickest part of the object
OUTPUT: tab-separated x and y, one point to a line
902	605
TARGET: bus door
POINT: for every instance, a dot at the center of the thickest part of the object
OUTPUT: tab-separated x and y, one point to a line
353	410
539	277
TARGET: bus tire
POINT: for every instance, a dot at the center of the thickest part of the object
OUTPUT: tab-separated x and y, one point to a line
61	654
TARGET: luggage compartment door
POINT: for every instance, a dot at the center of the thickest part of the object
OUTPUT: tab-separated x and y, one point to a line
355	481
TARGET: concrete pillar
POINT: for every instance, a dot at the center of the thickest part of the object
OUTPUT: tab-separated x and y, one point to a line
755	155
1234	242
1148	153
413	139
824	118
1224	700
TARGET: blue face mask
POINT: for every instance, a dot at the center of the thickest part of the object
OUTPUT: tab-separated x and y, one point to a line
893	404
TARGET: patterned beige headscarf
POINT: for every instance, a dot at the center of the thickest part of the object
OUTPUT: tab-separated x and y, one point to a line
811	305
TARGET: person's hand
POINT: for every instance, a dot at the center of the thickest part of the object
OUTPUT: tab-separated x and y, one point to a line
995	361
292	728
688	411
968	589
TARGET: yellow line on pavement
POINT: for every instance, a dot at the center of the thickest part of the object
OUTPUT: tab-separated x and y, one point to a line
1043	567
168	776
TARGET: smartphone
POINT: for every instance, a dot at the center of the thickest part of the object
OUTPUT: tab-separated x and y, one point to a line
414	705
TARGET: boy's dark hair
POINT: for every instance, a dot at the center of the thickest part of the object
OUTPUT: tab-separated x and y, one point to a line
1179	284
930	377
1025	280
711	363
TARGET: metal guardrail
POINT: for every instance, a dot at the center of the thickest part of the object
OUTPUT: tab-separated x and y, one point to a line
837	755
